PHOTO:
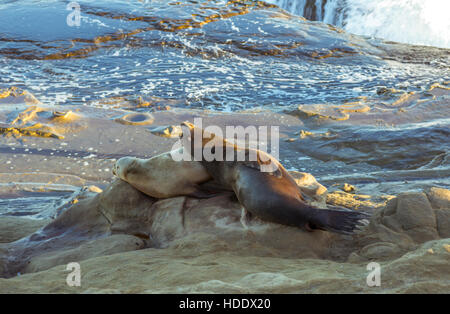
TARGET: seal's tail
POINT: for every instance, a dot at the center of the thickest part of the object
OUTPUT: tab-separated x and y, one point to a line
339	221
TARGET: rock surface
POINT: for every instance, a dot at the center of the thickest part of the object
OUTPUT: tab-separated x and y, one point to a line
128	242
15	228
407	221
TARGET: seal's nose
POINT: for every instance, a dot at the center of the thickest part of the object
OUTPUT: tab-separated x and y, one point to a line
114	170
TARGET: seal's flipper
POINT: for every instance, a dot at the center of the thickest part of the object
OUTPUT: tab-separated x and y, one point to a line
246	216
339	221
200	192
258	166
264	162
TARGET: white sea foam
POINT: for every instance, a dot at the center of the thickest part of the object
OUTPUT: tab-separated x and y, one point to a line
422	22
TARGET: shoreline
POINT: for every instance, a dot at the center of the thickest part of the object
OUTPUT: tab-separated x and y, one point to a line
70	177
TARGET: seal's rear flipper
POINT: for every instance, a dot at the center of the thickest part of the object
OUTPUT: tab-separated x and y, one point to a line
339	221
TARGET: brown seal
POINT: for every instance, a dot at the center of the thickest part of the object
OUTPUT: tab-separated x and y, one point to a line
161	176
272	196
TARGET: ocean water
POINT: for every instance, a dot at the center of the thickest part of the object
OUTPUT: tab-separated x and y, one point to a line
421	22
217	54
229	56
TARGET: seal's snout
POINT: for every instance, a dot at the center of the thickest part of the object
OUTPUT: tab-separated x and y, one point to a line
121	165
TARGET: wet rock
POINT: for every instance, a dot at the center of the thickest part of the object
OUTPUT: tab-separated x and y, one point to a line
388	91
355	258
321	112
170	131
411	214
167	220
405	222
439	198
348	188
121	202
17	96
14	228
3	259
90	189
446	247
432	268
41	122
219	272
416	216
136	119
379	250
311	188
377	232
304	134
354	201
85	229
157	235
98	247
346	143
338	113
101	291
443	222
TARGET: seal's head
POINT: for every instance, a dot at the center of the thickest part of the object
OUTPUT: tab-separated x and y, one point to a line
195	132
124	166
195	138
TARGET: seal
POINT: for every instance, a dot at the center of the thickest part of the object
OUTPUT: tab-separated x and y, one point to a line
163	177
273	195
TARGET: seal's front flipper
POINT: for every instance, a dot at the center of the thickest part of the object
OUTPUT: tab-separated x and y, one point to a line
203	193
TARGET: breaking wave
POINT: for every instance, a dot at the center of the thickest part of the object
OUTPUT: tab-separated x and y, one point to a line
420	22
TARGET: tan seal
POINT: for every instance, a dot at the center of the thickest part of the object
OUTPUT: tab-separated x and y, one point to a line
161	176
272	196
